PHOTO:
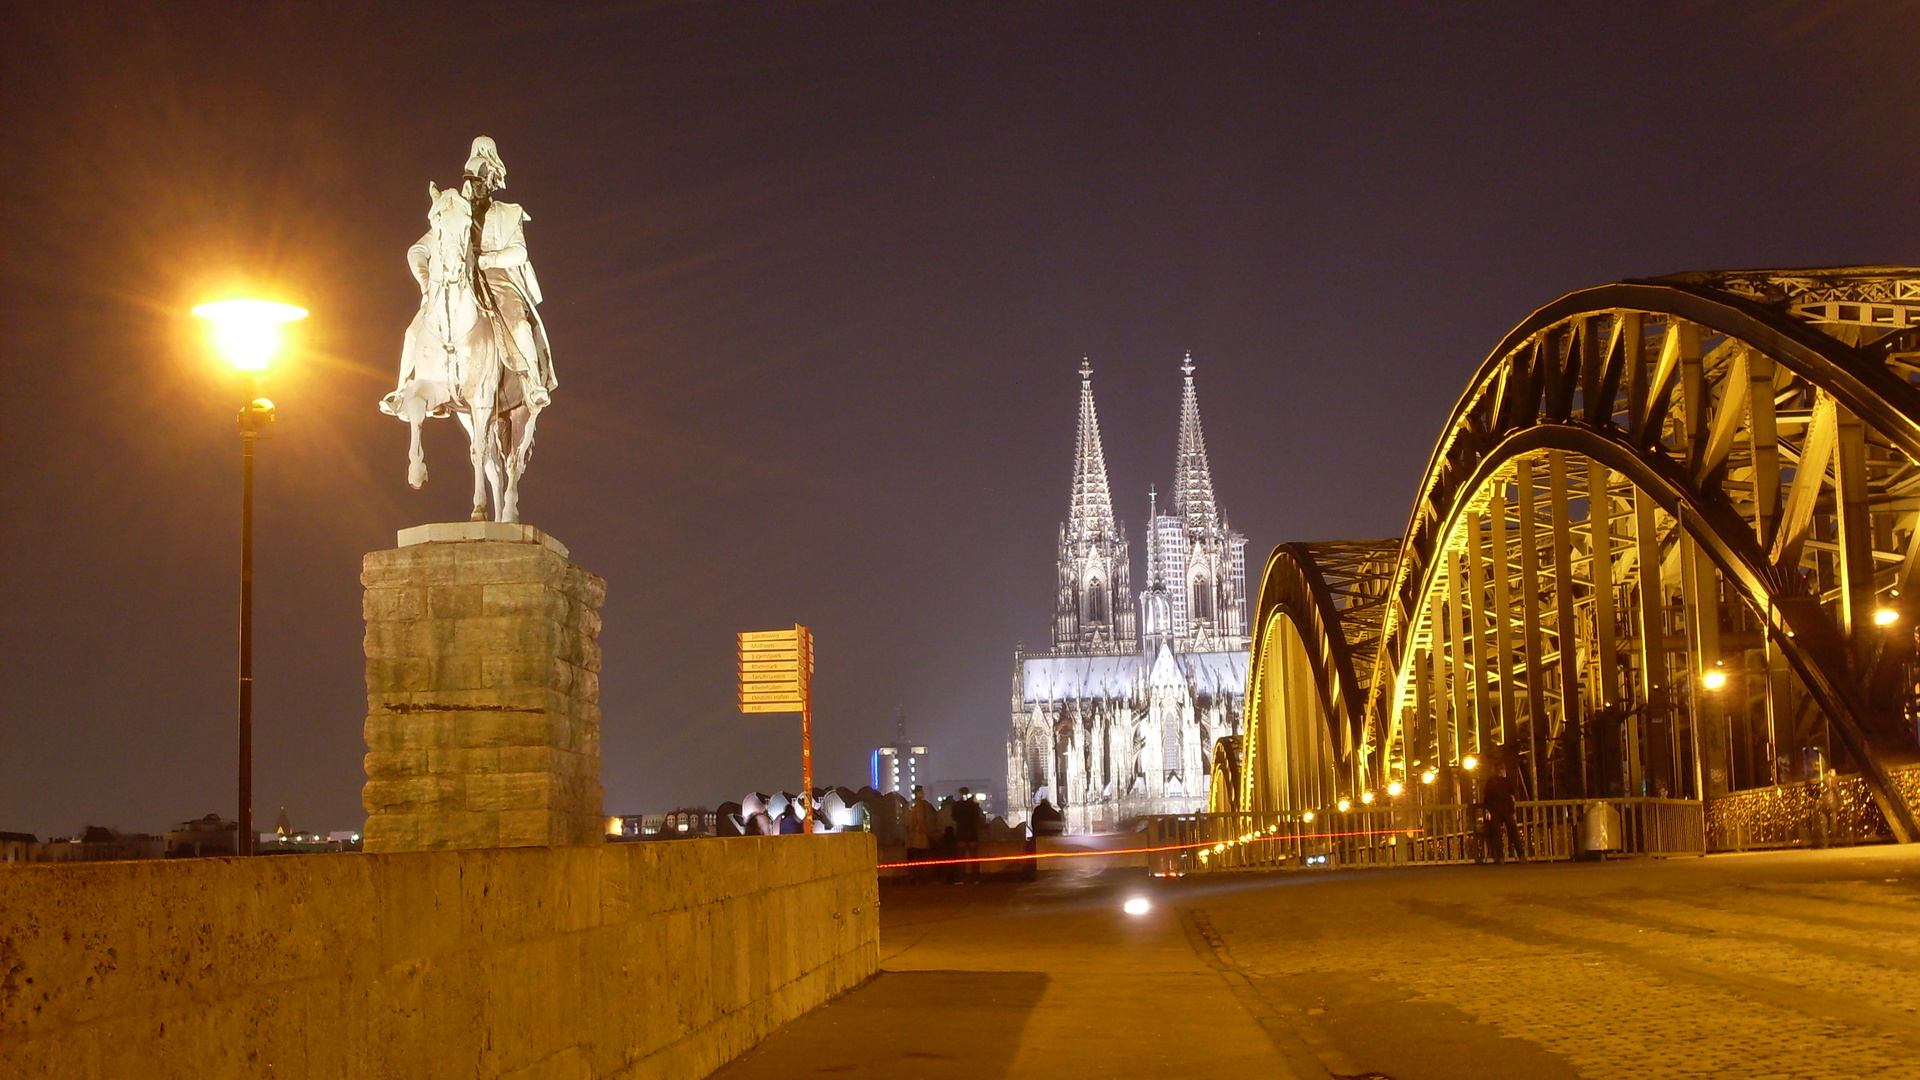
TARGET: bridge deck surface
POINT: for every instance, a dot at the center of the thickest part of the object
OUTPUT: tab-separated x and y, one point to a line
1792	964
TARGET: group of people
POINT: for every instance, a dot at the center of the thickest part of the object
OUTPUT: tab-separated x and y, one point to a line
927	841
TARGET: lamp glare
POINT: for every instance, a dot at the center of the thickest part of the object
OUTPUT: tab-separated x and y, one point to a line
247	332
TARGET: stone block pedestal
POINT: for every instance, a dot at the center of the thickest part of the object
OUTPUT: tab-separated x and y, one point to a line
483	691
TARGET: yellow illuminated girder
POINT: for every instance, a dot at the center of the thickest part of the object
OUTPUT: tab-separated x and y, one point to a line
1643	483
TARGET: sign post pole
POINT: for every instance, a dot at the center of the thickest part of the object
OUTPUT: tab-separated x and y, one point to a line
803	665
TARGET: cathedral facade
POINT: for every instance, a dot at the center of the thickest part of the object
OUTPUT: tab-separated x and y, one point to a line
1118	719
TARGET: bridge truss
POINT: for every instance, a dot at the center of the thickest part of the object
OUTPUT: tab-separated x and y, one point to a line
1667	545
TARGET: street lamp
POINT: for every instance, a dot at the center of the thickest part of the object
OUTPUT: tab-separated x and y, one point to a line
248	332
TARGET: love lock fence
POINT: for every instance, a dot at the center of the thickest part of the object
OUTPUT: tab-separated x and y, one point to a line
1446	834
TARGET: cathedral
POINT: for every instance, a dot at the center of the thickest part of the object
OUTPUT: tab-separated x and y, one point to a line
1118	719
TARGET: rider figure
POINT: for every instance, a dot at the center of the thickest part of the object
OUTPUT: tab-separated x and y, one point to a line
505	284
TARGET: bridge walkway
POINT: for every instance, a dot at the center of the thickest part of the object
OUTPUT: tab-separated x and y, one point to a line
1797	964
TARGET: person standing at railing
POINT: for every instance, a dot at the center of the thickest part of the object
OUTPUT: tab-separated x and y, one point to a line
919	832
1826	812
968	823
1498	798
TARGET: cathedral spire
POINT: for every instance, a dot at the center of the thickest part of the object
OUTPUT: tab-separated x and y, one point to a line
1093	612
1091	514
1192	477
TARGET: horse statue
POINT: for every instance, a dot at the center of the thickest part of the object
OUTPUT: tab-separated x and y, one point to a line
477	348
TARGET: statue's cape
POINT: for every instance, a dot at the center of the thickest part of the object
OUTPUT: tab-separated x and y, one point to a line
503	230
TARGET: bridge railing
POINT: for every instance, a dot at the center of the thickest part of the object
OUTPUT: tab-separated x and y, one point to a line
1416	835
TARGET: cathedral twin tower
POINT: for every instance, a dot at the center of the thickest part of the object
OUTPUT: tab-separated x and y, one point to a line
1120	717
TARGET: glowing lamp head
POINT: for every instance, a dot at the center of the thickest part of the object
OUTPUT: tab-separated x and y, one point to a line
1395	788
1429	776
1714	679
1345	805
1469	763
1367	797
1136	906
247	332
1885	616
1307	816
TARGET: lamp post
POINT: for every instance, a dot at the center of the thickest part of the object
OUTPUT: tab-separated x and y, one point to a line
248	333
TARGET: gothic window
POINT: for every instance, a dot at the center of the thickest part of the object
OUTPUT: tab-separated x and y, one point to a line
1096	602
1201	607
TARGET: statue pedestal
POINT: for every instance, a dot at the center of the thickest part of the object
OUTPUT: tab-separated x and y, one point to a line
483	691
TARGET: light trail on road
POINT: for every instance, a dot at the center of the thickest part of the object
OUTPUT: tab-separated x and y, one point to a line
1147	850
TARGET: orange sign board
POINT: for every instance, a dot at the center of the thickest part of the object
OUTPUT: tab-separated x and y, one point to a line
776	668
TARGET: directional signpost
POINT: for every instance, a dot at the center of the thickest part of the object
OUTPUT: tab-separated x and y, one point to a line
776	676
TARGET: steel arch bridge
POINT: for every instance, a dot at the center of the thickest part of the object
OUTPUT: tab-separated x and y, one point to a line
1667	544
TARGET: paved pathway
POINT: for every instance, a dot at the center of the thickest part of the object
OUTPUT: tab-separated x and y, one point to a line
1797	964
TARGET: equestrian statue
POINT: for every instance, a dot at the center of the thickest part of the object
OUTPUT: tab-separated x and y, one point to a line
477	349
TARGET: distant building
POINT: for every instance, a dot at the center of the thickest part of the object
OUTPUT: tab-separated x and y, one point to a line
684	822
897	766
97	843
210	835
688	821
18	847
1120	717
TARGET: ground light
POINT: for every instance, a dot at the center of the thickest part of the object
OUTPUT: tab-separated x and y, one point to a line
1136	906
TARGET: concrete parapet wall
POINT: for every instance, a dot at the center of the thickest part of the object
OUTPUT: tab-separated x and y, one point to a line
639	960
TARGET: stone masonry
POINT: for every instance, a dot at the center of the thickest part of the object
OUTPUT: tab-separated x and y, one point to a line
483	691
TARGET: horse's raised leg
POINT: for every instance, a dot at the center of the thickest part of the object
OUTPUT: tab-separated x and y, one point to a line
414	408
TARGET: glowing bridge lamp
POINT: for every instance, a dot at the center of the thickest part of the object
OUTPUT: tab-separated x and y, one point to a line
1307	816
1367	797
1469	763
1345	805
1714	678
247	332
1885	616
1429	776
1395	788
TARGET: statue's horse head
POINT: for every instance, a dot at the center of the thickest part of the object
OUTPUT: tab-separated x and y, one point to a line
450	223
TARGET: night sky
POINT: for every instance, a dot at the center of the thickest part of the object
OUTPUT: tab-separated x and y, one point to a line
818	277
